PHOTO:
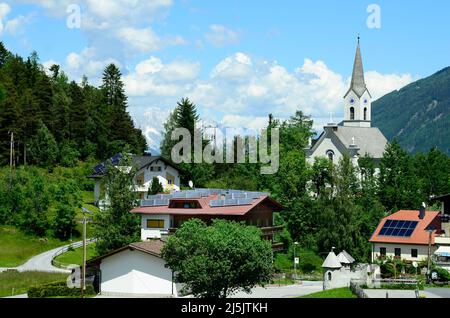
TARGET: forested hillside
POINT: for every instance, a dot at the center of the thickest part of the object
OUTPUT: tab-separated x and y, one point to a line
418	115
55	120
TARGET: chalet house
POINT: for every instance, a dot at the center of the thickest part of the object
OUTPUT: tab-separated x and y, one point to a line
163	214
148	167
408	235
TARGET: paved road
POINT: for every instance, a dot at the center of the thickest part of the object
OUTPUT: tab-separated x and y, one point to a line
381	293
43	262
441	292
289	291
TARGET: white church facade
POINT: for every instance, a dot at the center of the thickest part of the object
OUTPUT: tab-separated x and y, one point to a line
354	136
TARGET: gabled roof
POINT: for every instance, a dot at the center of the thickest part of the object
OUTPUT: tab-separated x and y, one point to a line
331	261
358	85
369	140
152	247
140	162
345	258
420	235
206	209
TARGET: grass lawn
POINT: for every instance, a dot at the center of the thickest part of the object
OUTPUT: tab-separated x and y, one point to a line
16	247
76	256
332	293
21	282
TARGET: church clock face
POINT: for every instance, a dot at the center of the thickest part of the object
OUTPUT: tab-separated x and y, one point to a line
352	101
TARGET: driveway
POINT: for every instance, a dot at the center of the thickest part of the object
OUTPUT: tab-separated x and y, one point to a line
283	291
43	262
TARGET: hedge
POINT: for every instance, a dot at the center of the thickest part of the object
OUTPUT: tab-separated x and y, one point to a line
58	289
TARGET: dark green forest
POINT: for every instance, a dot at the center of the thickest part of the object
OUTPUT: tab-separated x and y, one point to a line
55	120
418	115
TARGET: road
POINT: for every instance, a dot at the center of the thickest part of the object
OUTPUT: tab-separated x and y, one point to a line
43	262
288	291
381	293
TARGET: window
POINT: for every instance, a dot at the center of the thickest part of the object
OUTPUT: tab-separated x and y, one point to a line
140	179
414	252
352	113
398	252
329	276
155	224
175	204
383	251
158	168
330	154
365	113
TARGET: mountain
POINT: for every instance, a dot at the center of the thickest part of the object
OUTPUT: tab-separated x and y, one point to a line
418	115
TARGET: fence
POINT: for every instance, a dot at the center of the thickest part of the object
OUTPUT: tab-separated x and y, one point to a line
66	249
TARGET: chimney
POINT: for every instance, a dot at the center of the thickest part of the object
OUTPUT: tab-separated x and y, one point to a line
422	211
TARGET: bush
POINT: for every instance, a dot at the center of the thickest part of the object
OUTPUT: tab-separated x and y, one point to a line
443	274
58	289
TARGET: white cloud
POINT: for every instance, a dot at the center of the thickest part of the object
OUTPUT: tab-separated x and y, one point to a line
241	91
141	40
220	35
14	25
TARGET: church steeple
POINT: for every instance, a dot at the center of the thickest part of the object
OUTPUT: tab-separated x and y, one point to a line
357	110
358	84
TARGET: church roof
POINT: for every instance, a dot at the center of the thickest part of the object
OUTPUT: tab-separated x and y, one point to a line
369	140
358	84
331	261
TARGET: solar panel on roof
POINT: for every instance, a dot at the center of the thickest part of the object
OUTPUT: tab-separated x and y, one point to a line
398	228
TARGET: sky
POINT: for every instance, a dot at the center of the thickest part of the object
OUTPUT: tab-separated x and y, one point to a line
237	61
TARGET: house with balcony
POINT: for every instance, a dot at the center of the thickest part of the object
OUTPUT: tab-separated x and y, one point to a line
407	234
442	254
148	167
163	214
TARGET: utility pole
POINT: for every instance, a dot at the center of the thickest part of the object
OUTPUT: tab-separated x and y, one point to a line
295	263
430	232
83	271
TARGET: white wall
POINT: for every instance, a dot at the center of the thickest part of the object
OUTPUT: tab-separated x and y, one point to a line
322	149
135	272
147	233
161	175
422	251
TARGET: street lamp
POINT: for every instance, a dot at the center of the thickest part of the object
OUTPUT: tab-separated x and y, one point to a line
83	277
295	262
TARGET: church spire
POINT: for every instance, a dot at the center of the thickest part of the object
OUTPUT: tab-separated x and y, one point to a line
358	85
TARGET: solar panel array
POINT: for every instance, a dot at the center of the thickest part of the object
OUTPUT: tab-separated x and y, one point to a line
101	168
229	197
230	202
154	202
398	228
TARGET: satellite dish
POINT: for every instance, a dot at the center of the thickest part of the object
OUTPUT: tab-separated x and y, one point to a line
191	184
415	264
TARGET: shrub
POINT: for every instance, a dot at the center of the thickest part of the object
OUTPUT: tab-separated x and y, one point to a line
58	289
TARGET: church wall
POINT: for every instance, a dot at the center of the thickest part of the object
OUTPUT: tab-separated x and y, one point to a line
322	149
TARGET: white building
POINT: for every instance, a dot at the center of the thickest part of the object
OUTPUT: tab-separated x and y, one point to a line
407	234
148	168
354	136
136	270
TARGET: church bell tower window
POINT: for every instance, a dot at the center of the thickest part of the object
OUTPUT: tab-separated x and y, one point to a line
352	113
365	113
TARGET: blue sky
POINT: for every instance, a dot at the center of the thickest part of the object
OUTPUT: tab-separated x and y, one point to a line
237	60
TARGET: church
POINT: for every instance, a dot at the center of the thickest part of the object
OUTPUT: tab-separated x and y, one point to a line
354	136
